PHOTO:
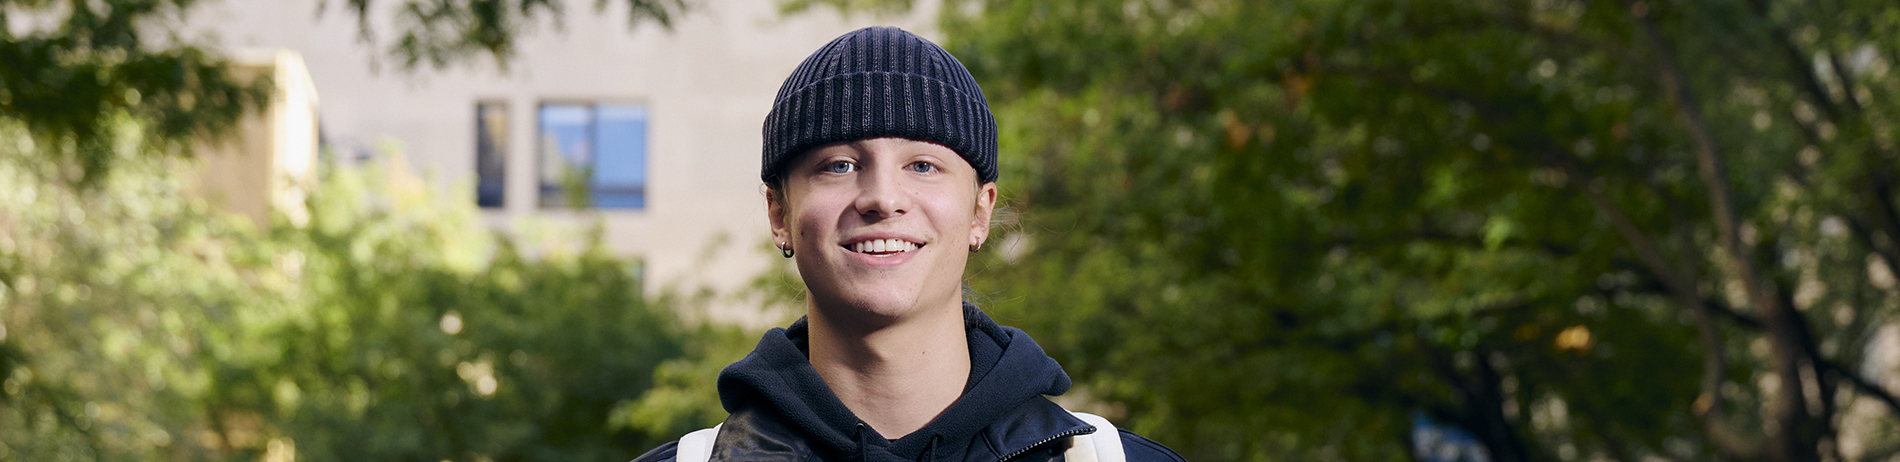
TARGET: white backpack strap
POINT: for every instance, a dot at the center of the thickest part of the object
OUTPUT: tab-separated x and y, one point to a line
696	446
1105	445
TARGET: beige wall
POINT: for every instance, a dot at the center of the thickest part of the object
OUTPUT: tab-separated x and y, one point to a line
707	85
268	161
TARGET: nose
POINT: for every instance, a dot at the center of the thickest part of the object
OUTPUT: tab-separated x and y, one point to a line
880	194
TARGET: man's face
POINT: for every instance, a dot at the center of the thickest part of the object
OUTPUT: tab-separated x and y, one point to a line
881	227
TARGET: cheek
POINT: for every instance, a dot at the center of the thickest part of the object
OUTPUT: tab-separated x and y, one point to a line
813	217
953	212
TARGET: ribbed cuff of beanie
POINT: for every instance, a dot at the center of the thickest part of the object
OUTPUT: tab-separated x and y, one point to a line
879	104
880	82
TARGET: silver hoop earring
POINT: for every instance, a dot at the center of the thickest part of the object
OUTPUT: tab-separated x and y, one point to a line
975	247
786	250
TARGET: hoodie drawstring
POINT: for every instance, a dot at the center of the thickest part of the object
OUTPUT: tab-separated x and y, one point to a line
930	450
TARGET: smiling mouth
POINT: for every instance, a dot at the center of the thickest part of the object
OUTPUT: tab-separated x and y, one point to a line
883	246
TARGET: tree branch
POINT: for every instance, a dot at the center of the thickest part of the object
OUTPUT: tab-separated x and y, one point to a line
1847	81
1803	73
1714	356
1679	283
1885	227
1861	384
1788	407
1879	186
1483	412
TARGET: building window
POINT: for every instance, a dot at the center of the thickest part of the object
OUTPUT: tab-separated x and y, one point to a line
593	155
491	145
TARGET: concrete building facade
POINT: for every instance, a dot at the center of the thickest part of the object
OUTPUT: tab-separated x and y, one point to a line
684	106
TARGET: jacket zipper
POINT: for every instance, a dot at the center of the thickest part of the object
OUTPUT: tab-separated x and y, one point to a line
1066	434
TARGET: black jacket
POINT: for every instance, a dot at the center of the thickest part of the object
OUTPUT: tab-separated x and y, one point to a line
781	410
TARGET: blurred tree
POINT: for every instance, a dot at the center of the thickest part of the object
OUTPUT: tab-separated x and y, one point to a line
684	396
137	325
446	33
1574	230
428	338
66	69
109	301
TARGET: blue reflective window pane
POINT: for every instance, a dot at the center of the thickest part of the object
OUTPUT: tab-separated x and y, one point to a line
622	139
620	167
600	147
565	147
564	131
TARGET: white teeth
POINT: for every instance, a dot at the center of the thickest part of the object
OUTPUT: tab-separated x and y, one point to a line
884	245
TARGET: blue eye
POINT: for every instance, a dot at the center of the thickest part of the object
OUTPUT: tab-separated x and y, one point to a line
922	167
840	167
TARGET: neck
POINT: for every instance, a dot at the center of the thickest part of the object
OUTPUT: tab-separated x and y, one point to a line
897	376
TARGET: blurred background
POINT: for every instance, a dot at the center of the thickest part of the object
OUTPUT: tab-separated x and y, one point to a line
528	230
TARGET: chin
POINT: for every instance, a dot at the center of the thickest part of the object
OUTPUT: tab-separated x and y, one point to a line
871	305
876	306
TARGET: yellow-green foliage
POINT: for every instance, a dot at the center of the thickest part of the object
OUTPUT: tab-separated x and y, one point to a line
140	325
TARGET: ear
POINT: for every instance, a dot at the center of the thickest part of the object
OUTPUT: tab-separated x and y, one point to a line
985	208
775	211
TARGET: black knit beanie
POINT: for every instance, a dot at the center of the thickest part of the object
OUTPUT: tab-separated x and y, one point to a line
877	82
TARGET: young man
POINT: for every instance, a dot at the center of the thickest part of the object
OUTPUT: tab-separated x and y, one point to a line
880	162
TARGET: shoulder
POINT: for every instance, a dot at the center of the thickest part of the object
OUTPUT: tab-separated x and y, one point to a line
666	453
1139	449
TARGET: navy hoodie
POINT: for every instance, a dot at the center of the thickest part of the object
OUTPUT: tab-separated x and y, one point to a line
782	410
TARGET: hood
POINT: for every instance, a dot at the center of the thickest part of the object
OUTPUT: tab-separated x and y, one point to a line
1007	371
